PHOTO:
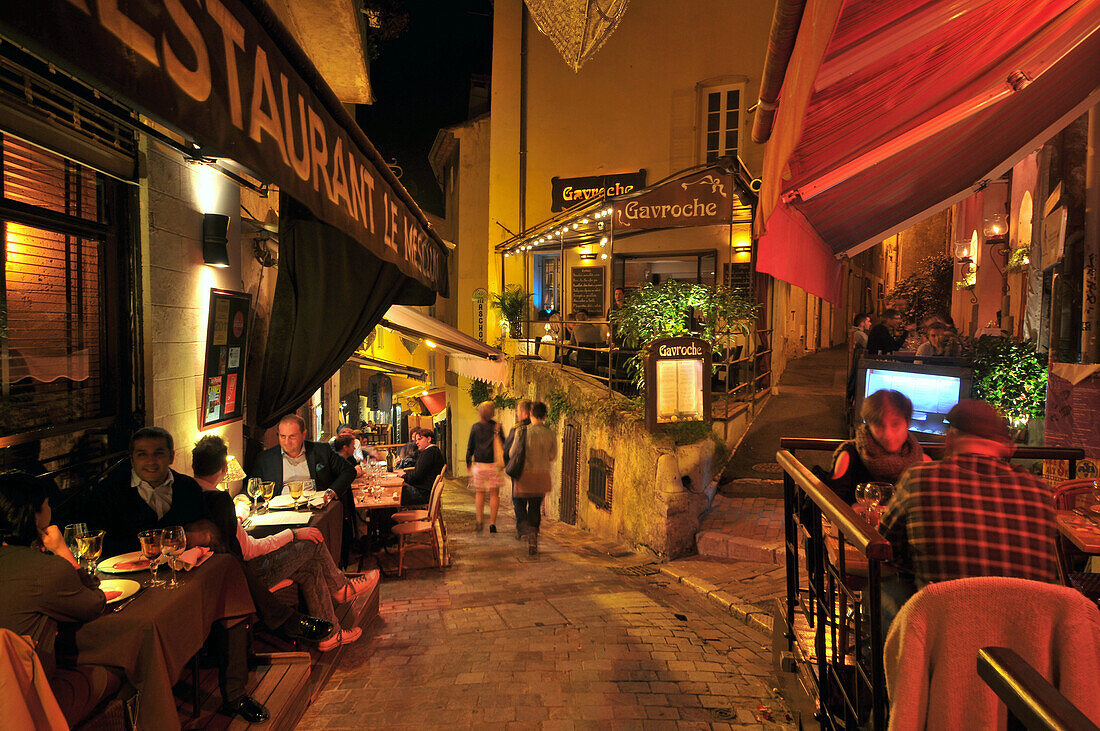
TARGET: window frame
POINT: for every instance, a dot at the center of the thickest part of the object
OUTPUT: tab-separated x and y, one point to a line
722	86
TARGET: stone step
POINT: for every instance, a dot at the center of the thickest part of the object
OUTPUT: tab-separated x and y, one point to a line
723	545
752	487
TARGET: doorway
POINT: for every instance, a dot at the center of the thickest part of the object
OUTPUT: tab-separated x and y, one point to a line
570	472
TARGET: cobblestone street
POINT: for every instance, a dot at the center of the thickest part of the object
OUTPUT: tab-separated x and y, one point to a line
561	640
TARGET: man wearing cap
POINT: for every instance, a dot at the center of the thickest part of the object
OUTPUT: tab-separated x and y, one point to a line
970	514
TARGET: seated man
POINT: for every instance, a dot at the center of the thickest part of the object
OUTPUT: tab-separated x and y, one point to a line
298	554
299	459
345	430
889	334
971	514
429	463
345	447
937	345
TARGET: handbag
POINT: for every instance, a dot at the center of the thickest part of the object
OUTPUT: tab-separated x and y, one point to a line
517	454
498	451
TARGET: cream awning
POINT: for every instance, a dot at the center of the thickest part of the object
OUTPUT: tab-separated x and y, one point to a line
466	356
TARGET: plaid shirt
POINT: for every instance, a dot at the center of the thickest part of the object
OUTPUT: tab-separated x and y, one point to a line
972	515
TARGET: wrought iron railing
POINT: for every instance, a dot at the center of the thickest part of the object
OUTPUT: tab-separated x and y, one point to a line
835	562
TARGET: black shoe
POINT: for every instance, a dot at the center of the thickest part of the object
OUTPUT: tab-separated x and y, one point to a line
306	628
533	544
247	708
493	528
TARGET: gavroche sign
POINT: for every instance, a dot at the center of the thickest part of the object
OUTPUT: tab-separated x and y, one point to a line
700	199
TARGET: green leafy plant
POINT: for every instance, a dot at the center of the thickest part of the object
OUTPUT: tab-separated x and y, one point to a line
558	405
1011	375
502	401
672	308
511	304
928	289
480	391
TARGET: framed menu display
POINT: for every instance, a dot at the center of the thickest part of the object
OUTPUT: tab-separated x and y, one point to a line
586	290
677	372
226	344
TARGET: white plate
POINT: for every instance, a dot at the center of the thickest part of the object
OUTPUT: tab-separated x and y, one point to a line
281	502
128	587
110	565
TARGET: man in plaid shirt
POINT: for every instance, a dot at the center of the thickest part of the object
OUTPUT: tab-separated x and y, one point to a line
971	514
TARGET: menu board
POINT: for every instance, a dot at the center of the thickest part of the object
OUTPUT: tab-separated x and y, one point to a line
586	290
226	344
679	390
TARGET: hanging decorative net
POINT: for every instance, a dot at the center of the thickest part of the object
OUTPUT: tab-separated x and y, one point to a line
577	28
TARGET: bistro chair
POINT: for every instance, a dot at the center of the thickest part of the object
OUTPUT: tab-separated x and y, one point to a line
407	516
1070	495
432	525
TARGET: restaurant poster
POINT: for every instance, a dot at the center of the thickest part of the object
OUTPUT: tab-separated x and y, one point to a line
677	376
223	371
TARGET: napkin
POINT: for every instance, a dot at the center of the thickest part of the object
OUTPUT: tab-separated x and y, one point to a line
112	594
193	557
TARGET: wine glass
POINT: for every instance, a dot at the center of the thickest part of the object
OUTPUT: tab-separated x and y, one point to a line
150	549
872	494
253	487
268	491
295	488
71	532
91	547
173	542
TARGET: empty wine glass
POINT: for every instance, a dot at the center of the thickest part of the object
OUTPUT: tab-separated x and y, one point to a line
173	542
253	487
150	549
70	534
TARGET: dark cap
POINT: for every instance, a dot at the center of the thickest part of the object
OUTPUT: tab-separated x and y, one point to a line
979	419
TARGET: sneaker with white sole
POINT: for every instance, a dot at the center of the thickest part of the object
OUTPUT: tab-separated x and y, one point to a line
340	637
356	586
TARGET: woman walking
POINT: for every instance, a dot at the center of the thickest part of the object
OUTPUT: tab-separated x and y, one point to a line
485	462
539	450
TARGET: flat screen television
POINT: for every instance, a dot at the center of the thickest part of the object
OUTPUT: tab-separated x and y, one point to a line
933	389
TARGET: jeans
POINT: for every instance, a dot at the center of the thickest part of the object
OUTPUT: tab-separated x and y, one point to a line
310	566
413	496
528	514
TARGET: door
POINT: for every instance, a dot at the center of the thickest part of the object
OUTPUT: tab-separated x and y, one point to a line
570	472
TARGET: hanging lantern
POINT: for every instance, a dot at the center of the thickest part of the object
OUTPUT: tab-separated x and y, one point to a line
577	28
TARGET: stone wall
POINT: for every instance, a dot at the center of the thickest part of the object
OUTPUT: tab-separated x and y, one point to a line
660	489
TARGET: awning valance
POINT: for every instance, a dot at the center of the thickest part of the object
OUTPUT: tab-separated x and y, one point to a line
466	356
890	112
229	78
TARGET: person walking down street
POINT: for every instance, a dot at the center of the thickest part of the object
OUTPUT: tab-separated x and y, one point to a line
539	448
485	463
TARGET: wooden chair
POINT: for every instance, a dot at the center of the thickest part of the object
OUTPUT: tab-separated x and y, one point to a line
1070	495
432	524
407	516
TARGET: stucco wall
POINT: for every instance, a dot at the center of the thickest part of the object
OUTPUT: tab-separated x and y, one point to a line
176	288
651	506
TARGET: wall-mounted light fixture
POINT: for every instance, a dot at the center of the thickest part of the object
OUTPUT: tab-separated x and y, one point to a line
215	251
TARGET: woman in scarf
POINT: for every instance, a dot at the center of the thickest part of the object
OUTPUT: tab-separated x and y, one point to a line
883	447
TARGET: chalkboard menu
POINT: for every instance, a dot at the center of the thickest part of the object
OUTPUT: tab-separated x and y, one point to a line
223	376
586	290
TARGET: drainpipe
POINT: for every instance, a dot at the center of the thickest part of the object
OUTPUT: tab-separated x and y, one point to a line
785	22
523	137
1090	308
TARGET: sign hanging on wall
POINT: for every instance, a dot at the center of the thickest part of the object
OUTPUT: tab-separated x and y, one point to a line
230	78
677	376
481	298
702	199
226	345
568	192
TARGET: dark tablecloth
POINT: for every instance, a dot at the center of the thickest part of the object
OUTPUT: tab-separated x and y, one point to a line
328	520
153	638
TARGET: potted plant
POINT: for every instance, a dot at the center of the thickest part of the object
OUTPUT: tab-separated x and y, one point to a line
511	304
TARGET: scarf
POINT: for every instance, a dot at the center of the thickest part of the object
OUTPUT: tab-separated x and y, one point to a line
883	465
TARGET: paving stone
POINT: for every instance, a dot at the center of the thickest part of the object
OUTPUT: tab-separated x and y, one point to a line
558	642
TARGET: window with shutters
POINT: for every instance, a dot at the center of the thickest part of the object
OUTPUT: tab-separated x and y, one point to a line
52	327
720	126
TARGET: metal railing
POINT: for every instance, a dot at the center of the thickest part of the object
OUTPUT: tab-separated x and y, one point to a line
1033	703
841	650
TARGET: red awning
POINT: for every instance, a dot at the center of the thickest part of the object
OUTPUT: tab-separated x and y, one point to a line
890	111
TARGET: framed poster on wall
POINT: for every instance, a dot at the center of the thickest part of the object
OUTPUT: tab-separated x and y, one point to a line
225	357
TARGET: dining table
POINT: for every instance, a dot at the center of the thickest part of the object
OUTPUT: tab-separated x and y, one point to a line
1082	531
328	519
373	494
153	636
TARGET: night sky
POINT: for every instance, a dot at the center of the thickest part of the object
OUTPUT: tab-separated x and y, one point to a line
421	83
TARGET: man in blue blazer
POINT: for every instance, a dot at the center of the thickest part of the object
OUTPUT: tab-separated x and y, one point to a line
298	459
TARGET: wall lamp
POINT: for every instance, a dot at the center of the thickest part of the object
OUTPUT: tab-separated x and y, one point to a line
215	250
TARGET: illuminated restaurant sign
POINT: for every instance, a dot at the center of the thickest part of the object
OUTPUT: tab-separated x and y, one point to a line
568	192
228	76
701	199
